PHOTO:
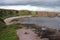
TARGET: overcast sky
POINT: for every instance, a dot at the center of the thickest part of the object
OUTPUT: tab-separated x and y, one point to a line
38	5
50	3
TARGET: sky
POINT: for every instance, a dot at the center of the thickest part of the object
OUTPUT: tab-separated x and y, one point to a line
53	4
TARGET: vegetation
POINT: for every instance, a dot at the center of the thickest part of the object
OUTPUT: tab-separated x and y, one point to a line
4	13
2	24
34	13
24	12
10	13
8	32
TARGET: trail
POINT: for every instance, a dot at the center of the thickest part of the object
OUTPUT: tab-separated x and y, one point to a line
27	34
8	20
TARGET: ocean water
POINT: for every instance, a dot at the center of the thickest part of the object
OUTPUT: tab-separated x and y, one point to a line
53	22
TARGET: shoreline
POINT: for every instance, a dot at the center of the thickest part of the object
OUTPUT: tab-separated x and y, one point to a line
8	20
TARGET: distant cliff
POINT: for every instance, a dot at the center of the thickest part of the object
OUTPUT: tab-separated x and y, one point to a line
9	13
48	14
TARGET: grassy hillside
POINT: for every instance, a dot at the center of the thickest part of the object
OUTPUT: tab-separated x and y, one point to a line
10	13
8	32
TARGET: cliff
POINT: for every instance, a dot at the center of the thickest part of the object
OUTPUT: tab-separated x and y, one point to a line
9	13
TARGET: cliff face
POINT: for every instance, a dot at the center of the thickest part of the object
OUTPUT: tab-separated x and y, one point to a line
48	14
26	12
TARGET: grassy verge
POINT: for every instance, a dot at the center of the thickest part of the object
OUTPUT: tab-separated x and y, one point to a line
9	33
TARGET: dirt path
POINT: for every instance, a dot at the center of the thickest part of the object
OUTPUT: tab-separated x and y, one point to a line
8	20
27	34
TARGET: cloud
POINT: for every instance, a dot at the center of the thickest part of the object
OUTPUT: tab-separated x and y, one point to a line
49	3
25	1
32	8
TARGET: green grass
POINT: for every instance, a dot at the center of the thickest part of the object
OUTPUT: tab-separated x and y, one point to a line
9	33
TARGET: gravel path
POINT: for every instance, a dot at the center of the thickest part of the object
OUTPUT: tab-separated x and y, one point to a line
27	34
